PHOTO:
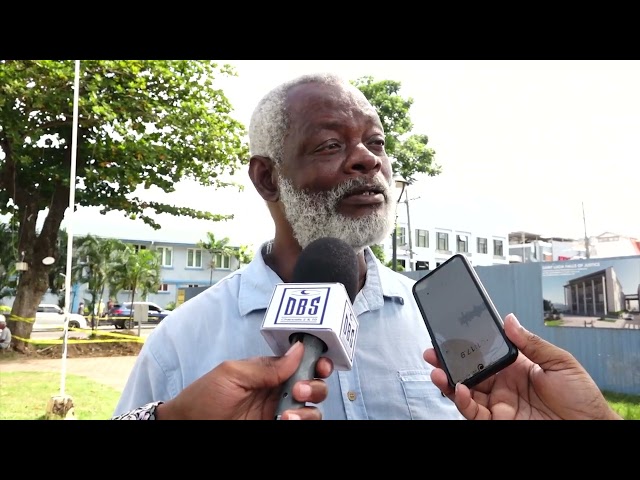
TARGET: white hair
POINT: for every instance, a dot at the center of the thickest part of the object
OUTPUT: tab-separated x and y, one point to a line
270	119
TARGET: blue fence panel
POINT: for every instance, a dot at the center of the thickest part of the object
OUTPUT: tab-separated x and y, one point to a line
610	355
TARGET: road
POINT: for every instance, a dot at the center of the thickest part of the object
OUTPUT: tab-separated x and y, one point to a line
49	334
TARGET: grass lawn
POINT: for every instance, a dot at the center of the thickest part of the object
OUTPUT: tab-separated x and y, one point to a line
24	396
628	406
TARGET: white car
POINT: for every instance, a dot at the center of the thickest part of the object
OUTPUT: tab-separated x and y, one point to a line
50	315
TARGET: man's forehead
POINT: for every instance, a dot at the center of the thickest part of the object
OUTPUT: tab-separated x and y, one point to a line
301	96
317	105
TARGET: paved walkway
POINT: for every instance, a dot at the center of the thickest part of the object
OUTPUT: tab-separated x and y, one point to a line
112	371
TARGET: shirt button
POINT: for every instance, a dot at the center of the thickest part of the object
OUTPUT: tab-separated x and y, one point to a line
351	396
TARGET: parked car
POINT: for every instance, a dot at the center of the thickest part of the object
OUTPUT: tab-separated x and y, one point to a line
121	315
50	315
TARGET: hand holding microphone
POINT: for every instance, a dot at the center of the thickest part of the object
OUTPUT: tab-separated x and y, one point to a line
245	390
316	310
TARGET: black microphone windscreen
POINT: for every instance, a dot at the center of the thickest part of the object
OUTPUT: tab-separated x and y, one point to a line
328	260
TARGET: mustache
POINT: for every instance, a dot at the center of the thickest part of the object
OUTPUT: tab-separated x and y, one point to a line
357	185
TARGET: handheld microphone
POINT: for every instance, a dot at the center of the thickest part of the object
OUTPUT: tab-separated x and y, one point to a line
315	309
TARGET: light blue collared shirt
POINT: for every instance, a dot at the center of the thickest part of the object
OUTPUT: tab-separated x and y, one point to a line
389	379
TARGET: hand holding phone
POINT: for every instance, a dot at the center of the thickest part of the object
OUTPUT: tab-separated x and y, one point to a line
465	328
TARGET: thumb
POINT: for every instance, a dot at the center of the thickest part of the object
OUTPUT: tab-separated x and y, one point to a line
532	346
279	369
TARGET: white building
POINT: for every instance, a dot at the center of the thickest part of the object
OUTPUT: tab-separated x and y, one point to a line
530	247
526	247
429	235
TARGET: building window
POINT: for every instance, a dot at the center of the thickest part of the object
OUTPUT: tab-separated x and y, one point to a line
194	258
462	243
166	256
422	265
192	286
442	241
138	247
422	238
164	287
497	248
223	261
482	245
402	236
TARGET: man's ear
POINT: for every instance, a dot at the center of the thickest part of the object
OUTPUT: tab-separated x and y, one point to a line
262	172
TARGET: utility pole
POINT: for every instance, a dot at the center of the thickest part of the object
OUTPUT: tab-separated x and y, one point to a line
586	238
406	201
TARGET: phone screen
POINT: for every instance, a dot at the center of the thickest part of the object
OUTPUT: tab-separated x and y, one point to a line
465	327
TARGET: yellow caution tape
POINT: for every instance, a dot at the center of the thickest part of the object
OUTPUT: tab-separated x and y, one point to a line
117	337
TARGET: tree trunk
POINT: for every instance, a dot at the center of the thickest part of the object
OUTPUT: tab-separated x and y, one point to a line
34	282
33	285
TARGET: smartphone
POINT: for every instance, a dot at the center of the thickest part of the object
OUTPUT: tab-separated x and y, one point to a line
465	327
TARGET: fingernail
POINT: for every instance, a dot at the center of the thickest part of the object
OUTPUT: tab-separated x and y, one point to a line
293	347
305	390
293	416
456	387
516	320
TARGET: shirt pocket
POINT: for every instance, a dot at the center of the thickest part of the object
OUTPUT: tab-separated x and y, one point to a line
424	399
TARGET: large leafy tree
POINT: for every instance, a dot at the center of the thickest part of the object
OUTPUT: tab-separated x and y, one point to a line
410	150
140	124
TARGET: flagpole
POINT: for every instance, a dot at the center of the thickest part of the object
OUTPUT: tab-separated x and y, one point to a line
72	195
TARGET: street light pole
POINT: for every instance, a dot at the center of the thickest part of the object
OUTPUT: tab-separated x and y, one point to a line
406	201
400	183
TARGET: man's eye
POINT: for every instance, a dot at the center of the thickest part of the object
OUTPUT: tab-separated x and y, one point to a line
329	146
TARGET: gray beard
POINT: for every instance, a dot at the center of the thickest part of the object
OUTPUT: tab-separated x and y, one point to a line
314	215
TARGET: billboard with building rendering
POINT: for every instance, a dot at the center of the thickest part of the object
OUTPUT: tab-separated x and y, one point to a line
600	292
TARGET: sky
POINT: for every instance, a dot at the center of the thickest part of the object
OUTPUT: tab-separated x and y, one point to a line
523	145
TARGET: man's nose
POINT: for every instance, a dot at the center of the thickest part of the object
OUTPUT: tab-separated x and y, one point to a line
363	160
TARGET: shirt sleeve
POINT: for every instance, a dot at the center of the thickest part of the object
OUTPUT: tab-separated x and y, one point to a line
146	412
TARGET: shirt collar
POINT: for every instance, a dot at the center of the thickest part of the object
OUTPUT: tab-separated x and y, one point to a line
381	283
257	282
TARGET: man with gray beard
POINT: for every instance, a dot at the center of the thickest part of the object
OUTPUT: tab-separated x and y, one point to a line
319	163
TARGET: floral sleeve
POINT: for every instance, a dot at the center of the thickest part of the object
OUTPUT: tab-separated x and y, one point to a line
146	412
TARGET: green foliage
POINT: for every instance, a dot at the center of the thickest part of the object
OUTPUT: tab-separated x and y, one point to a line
170	306
141	123
216	247
138	271
8	258
378	251
244	254
410	151
100	263
399	267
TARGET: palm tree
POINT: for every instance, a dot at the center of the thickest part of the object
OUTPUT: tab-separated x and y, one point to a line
216	248
97	257
243	254
137	271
